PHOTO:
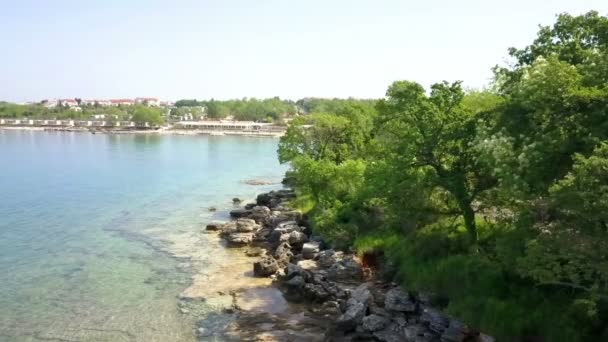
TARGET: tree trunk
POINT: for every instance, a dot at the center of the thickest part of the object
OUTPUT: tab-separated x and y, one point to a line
469	222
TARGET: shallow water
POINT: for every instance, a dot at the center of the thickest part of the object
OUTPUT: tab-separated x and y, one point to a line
99	234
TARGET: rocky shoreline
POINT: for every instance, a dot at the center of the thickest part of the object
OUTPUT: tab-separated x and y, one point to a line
340	296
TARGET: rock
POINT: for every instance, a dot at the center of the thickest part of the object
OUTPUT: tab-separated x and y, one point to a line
246	225
362	295
212	209
309	265
265	267
293	270
412	332
228	229
374	322
262	234
258	182
261	214
329	257
315	293
397	299
347	270
255	252
214	226
263	199
436	321
283	254
352	317
297	238
455	332
250	206
236	200
388	335
310	249
240	213
296	282
239	239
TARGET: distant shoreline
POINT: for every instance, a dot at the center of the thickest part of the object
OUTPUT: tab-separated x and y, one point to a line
161	131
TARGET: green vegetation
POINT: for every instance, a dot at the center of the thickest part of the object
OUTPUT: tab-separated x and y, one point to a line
137	113
494	200
268	110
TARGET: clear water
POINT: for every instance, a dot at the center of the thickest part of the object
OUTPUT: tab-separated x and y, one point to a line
92	228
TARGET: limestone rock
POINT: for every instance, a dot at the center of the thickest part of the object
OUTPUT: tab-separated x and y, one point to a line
310	249
352	317
397	299
246	225
240	213
347	270
374	322
265	267
239	239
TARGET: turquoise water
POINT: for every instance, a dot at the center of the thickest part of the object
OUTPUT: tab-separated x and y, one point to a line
95	230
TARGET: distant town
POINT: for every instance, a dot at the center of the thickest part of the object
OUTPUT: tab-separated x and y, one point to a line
77	104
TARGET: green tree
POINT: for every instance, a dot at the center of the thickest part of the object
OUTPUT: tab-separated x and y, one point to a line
434	134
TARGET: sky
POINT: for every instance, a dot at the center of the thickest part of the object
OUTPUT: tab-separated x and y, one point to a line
258	48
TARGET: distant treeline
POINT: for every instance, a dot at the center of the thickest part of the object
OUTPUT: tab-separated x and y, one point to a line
137	113
270	110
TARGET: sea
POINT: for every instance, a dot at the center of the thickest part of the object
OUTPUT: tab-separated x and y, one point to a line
97	231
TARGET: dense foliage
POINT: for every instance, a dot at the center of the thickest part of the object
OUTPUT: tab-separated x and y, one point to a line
496	201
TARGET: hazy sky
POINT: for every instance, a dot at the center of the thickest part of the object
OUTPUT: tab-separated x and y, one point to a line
232	49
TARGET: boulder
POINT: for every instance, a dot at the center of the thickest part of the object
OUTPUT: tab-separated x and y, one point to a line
250	206
388	335
397	299
316	293
262	234
236	200
362	295
228	229
263	199
265	267
240	213
435	320
348	270
246	225
329	257
283	254
455	332
297	238
293	270
310	249
239	239
352	317
374	322
261	214
296	282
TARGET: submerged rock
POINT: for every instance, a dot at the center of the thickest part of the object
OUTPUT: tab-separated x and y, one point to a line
214	226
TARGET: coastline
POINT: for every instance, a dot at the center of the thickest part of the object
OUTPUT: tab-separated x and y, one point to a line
312	292
161	131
